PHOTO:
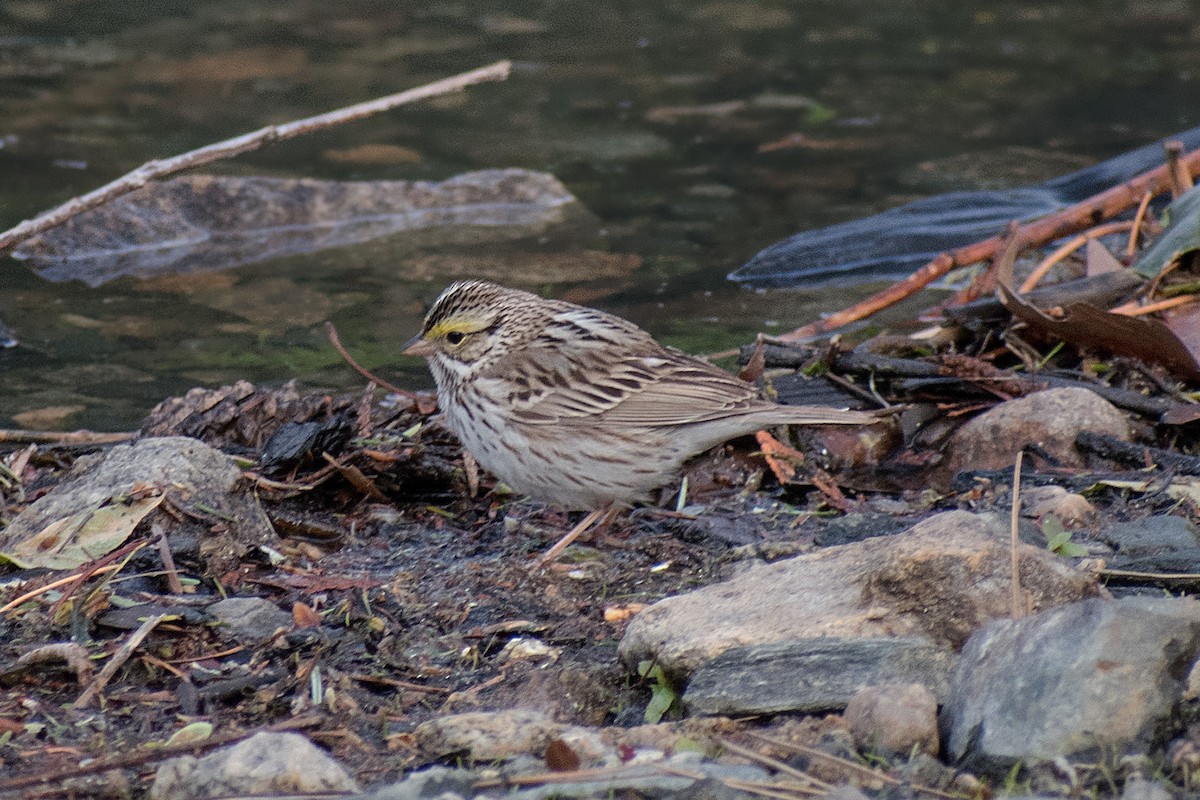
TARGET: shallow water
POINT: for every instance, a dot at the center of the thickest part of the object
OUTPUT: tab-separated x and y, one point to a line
652	114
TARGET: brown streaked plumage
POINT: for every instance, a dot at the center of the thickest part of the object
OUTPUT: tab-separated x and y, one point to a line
578	407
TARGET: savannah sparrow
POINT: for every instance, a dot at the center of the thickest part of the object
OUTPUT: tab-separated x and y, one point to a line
578	407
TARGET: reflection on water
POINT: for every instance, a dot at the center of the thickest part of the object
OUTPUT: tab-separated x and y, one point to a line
697	132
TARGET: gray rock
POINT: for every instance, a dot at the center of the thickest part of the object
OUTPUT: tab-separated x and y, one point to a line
485	736
1163	543
1049	419
816	674
939	581
894	719
845	792
681	777
1139	788
188	471
251	619
1083	681
430	783
264	764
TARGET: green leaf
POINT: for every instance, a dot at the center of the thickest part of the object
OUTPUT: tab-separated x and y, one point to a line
190	734
662	697
1181	236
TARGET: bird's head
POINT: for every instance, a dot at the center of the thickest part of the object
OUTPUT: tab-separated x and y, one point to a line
471	324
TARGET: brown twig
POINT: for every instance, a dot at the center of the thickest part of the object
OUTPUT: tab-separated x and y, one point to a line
242	144
73	653
96	567
1138	219
168	560
1070	247
31	594
1070	220
62	438
336	341
1180	177
1132	309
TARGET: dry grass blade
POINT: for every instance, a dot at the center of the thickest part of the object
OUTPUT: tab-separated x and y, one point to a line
782	791
774	763
1018	601
861	769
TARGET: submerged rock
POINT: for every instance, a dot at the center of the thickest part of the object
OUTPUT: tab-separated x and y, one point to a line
198	223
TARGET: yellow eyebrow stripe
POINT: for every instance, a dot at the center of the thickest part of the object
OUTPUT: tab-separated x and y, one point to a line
454	325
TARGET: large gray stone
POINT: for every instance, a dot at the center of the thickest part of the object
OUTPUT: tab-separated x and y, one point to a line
938	582
1084	681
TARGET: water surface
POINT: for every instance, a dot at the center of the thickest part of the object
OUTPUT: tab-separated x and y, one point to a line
654	114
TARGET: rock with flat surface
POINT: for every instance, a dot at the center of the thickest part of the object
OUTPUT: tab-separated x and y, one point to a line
484	736
938	582
250	619
92	497
812	675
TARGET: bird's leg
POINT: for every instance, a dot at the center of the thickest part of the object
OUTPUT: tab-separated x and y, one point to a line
605	517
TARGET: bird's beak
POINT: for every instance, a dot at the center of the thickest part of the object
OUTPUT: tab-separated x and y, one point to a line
418	346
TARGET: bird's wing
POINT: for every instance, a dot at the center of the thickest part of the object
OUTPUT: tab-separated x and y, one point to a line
594	367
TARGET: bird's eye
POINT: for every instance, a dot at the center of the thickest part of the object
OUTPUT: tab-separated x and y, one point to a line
455	338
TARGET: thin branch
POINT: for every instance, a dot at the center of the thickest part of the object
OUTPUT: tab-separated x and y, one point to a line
60	438
336	341
1138	219
242	144
116	661
1070	247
